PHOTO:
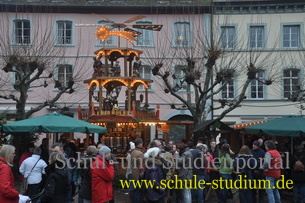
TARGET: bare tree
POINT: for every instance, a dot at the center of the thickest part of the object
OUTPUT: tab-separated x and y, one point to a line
208	65
30	58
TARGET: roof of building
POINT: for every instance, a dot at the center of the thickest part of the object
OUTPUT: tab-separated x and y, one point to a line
257	1
257	6
106	6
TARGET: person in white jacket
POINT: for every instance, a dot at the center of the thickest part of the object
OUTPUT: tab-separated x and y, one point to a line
32	169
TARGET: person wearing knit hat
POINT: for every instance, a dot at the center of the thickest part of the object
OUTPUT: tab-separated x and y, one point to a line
132	145
152	152
128	174
102	173
154	173
105	152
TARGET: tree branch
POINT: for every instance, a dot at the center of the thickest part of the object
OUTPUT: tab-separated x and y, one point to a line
238	101
189	106
46	103
10	97
218	90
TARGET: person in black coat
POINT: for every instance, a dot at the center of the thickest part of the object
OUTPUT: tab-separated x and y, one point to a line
243	163
57	182
45	150
198	165
85	175
213	149
258	172
298	176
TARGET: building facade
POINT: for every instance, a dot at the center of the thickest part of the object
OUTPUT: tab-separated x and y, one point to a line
266	35
270	35
63	34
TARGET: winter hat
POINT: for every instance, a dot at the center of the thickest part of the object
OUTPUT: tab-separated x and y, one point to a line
260	140
132	145
152	152
204	146
256	143
104	150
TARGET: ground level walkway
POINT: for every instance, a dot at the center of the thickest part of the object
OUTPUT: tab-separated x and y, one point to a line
121	196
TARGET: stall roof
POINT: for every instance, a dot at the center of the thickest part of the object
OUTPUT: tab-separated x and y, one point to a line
207	124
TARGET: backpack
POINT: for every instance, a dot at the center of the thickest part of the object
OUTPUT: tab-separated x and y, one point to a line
299	166
164	167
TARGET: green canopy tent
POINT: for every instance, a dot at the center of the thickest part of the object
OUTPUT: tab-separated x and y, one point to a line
52	123
289	126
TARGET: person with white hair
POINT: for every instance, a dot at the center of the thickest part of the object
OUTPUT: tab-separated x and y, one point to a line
261	144
7	193
154	173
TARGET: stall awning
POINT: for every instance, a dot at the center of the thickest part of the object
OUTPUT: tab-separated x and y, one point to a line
207	124
285	126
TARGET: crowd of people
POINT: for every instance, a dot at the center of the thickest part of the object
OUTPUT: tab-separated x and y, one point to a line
261	161
56	176
52	176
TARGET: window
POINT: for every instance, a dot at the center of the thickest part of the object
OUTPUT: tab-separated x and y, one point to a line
179	76
109	42
22	32
63	74
145	72
182	35
146	38
64	32
227	37
291	82
257	87
228	90
256	36
291	36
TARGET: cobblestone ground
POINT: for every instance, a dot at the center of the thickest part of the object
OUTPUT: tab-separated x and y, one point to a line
121	196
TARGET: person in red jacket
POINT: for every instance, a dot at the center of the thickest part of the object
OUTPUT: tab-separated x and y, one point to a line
7	192
272	166
102	173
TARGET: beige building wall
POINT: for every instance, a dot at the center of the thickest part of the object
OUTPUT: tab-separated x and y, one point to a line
273	58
